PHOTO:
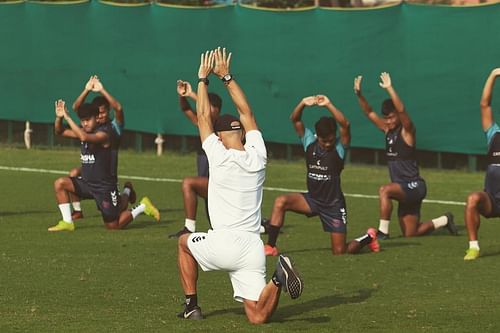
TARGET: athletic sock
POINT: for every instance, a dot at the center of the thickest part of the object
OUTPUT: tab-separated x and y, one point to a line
384	226
440	222
126	191
137	210
190	224
65	209
474	245
364	240
191	302
76	206
273	232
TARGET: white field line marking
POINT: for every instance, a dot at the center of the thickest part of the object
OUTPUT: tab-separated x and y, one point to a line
172	180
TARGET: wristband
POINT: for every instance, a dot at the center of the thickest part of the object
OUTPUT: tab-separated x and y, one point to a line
204	80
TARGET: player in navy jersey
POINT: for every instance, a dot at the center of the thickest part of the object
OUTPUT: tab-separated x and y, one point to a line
98	171
104	102
406	186
325	153
486	202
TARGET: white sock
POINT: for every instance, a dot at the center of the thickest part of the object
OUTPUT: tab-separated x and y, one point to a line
137	210
440	222
65	209
474	245
384	226
126	191
76	206
190	224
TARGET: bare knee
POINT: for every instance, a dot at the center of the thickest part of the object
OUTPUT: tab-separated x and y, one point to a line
59	183
473	201
338	251
74	172
383	191
256	318
187	185
281	202
112	226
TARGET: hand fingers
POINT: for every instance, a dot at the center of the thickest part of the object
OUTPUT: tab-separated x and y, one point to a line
229	59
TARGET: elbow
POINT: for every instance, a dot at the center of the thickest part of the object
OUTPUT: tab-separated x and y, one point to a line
484	104
347	124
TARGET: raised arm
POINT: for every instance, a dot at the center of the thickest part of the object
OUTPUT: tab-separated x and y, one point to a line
365	107
205	125
113	103
59	129
408	126
486	112
296	116
221	69
80	99
184	90
345	126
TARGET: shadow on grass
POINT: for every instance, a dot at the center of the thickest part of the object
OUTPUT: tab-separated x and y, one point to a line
490	254
284	314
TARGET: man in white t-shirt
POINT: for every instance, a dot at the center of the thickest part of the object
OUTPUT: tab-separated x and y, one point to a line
237	173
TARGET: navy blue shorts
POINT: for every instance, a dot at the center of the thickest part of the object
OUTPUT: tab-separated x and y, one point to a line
333	217
107	200
202	164
415	192
495	204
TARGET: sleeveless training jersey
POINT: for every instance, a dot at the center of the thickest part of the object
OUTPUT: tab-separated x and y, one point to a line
403	166
492	179
99	164
323	170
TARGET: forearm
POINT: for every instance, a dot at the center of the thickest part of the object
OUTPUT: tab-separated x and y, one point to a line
296	115
339	116
80	99
238	98
487	91
75	128
58	126
203	103
398	104
365	107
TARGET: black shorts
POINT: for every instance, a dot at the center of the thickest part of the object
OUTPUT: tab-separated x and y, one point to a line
202	164
415	192
106	199
333	217
495	204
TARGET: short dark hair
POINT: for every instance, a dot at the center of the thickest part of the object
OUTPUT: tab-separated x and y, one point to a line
388	107
325	126
88	110
100	100
215	100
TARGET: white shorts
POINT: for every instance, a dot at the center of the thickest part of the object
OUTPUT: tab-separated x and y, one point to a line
239	253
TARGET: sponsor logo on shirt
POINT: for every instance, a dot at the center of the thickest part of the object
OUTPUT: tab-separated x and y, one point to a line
87	158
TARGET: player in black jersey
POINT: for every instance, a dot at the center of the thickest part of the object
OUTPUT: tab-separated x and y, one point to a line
325	154
104	102
406	186
98	172
486	202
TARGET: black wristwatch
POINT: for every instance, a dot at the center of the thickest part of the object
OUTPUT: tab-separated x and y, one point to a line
227	78
204	80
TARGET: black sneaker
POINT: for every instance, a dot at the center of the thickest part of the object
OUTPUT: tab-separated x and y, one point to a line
194	314
452	228
132	197
382	235
288	277
180	233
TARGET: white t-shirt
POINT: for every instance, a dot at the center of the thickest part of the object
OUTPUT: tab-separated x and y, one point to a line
235	183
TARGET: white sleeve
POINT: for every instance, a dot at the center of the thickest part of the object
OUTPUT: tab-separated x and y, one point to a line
214	149
254	140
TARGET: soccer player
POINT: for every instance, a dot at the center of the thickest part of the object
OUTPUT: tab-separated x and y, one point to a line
192	187
237	173
98	172
104	102
486	202
406	186
325	153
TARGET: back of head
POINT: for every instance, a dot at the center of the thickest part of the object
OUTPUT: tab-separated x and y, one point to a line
325	127
87	110
100	101
388	107
215	100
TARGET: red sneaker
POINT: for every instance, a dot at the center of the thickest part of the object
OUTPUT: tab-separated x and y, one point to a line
271	250
374	245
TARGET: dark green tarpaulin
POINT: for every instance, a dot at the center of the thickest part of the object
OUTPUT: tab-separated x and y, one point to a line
438	58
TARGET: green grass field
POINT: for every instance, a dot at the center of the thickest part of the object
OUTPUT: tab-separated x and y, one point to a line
93	280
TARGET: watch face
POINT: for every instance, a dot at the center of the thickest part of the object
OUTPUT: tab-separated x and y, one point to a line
227	77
